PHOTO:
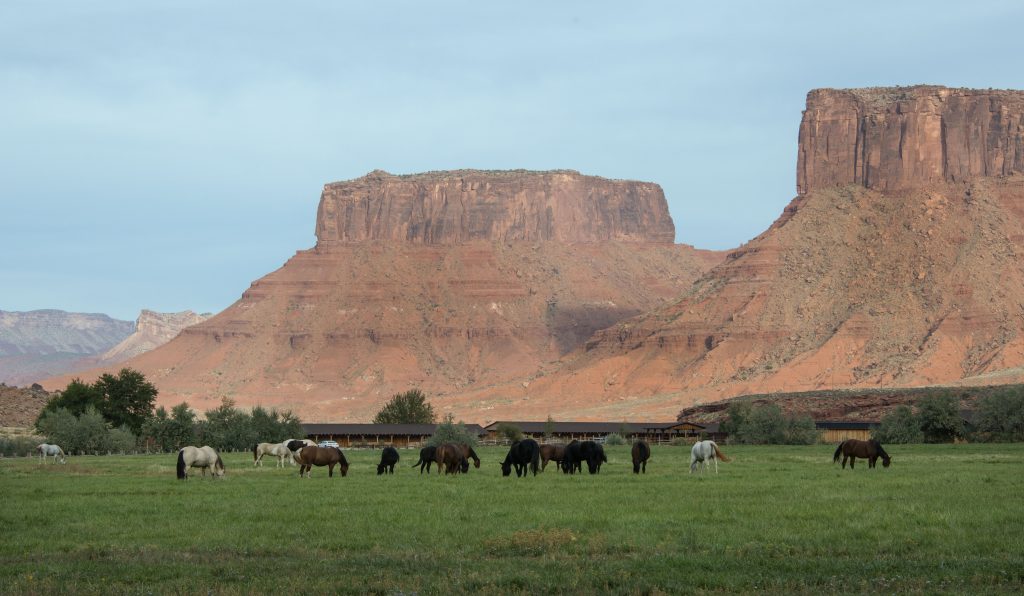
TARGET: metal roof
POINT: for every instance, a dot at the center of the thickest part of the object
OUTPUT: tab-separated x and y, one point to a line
355	429
534	427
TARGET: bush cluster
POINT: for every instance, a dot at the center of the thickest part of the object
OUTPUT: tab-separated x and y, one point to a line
450	431
88	433
999	417
766	425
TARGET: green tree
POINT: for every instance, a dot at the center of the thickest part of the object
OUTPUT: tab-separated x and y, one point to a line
92	435
549	428
451	432
228	428
614	439
763	425
1000	416
410	407
899	426
122	440
59	428
737	415
800	430
75	398
128	398
940	418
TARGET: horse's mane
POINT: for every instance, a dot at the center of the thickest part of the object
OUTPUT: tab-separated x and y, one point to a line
881	451
220	464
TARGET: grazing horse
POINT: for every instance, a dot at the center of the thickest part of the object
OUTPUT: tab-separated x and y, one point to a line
522	454
588	451
311	455
870	450
199	457
295	446
427	455
44	449
451	458
552	452
279	450
388	459
470	455
641	453
702	452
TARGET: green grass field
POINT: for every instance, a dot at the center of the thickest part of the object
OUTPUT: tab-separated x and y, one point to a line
943	518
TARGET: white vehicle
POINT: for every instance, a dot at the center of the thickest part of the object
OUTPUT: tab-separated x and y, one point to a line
328	444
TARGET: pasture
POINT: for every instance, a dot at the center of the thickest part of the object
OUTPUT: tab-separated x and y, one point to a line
943	518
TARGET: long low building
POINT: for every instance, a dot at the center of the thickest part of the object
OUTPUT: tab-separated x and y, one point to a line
377	435
652	432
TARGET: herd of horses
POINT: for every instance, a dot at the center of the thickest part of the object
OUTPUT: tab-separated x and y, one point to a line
524	456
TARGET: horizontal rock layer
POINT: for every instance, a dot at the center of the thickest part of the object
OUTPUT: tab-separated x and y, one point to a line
900	137
506	206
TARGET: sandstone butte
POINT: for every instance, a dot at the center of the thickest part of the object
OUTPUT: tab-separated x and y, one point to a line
444	281
898	264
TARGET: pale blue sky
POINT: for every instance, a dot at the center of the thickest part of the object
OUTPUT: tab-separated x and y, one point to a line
165	154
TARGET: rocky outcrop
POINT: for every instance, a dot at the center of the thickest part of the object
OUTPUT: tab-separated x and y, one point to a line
506	206
444	281
892	138
152	329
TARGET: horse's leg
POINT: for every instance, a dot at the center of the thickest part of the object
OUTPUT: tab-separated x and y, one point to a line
330	470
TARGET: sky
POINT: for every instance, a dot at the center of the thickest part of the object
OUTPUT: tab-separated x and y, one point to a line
164	155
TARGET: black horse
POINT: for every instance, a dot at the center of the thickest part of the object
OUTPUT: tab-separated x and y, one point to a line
388	459
588	451
641	453
522	454
427	455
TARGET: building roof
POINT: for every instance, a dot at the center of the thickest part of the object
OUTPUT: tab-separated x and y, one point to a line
845	424
354	429
534	427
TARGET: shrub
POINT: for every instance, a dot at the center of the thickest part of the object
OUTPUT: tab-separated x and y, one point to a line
614	439
764	425
451	432
940	420
1000	416
511	432
18	446
899	426
800	430
122	440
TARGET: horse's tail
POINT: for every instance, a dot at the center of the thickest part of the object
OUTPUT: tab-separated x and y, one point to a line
839	451
718	452
181	464
535	460
418	462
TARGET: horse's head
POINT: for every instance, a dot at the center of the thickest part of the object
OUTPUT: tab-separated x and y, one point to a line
886	461
380	469
464	466
343	466
506	468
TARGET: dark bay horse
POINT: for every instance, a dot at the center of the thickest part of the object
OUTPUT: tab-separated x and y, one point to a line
470	454
311	455
870	450
554	452
451	458
588	451
522	454
427	455
641	453
388	458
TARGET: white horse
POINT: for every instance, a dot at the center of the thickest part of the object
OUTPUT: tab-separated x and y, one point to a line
45	449
279	450
199	457
703	451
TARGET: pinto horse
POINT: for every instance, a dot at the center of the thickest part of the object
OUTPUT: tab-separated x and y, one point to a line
704	451
199	457
522	454
553	452
388	458
279	450
451	458
870	450
311	455
46	449
641	452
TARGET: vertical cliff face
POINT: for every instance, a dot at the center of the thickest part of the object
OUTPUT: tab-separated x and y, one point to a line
508	206
897	138
152	329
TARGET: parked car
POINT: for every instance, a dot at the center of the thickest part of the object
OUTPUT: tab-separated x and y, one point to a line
328	443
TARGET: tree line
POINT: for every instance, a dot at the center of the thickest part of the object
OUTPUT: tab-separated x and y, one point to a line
117	414
997	417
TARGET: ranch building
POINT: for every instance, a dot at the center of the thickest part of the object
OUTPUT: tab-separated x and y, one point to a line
377	435
563	432
837	431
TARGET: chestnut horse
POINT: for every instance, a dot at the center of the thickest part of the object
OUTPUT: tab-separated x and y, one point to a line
451	458
870	450
641	453
470	455
554	452
311	455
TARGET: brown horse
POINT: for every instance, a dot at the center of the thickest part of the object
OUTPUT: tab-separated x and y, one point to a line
312	455
468	452
641	453
451	458
870	450
554	452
